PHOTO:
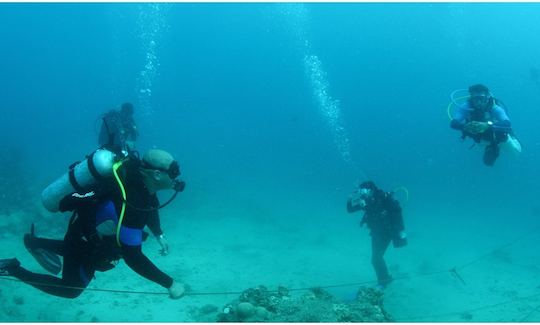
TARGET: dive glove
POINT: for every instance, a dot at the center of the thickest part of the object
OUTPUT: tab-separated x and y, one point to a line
176	290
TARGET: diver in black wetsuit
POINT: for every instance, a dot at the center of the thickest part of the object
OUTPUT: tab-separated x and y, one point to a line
382	214
92	243
118	131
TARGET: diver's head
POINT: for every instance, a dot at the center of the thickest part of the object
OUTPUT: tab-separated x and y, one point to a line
126	109
367	189
480	97
159	170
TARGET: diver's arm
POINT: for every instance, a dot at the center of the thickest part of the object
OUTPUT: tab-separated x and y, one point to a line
502	122
153	222
458	120
139	263
457	124
353	207
500	114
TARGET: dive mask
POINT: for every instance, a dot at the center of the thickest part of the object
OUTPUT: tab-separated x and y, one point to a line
173	171
482	99
364	193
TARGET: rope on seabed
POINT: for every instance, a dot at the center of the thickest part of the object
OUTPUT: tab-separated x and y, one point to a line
432	316
343	285
453	271
535	230
475	309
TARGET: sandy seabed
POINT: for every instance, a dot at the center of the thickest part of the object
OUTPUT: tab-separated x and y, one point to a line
218	251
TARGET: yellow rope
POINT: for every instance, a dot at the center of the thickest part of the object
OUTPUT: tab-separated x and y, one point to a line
451	104
404	189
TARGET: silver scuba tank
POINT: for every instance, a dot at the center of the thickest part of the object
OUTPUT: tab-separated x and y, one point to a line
79	178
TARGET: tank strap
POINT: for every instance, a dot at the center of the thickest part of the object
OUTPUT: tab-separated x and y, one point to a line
73	181
92	167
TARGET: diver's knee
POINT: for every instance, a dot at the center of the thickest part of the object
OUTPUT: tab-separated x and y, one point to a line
73	293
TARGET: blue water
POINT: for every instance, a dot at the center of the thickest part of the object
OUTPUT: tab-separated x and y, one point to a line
282	104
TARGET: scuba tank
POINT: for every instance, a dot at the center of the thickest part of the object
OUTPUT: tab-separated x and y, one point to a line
80	177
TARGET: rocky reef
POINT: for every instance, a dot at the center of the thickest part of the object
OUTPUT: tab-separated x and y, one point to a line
315	305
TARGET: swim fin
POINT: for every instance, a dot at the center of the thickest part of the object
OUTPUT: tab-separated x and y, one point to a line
49	260
6	264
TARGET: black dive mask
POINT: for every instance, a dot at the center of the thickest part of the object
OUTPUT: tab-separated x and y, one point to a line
173	171
178	186
481	101
365	193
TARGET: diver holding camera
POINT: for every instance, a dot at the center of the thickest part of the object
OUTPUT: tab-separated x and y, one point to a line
382	215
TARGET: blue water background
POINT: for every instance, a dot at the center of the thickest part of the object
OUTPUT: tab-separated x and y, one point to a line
231	99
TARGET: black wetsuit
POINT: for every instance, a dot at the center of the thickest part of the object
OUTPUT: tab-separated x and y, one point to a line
384	219
86	252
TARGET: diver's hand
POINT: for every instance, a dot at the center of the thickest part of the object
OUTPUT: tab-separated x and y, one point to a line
362	222
402	234
164	245
475	127
355	196
471	127
357	200
354	200
176	290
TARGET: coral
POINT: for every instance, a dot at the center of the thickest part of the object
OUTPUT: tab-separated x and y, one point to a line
321	294
316	305
245	310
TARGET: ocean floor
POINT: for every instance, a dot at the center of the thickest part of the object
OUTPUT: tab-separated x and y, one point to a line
221	252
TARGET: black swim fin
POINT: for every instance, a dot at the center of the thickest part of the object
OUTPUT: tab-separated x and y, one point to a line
50	261
7	264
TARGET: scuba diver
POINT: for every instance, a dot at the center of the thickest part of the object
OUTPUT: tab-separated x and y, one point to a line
483	118
118	131
106	226
382	215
